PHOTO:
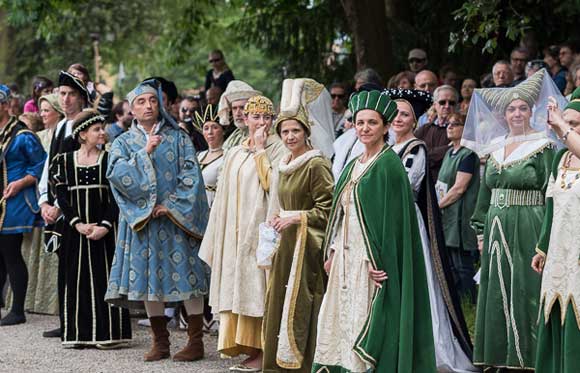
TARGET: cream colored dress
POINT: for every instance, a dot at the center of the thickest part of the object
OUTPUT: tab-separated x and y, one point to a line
346	303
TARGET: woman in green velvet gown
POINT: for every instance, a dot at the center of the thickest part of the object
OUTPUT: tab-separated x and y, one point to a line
300	204
559	249
375	316
508	219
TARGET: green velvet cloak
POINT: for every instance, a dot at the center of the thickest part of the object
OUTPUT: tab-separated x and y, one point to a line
397	336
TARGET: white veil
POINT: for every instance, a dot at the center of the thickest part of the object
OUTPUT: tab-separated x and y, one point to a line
315	99
486	129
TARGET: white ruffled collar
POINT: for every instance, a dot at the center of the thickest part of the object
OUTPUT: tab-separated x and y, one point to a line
287	167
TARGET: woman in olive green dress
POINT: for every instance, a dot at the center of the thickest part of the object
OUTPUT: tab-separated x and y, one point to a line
508	219
301	201
559	249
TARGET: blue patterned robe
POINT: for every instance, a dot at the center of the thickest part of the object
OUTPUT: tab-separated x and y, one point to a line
156	259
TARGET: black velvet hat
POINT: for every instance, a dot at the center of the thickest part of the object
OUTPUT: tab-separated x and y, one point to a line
69	80
421	101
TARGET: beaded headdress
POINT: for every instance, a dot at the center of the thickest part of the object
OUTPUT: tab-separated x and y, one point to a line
259	105
373	100
84	120
210	114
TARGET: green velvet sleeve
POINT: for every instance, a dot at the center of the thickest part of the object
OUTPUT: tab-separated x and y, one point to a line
544	240
321	186
482	206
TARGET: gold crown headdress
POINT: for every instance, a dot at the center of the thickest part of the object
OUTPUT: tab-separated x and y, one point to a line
210	114
259	105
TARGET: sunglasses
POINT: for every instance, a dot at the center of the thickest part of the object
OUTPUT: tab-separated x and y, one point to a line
336	96
186	110
416	60
215	60
443	102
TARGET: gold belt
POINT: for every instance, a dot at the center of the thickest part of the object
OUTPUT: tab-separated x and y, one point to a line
515	197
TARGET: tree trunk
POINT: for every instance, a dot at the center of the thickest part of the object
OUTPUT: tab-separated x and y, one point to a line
368	23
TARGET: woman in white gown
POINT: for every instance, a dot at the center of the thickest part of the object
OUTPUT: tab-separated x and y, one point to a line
453	347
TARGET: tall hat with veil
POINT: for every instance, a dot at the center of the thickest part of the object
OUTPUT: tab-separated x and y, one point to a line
486	129
315	100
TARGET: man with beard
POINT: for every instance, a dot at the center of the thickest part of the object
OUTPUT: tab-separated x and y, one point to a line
231	109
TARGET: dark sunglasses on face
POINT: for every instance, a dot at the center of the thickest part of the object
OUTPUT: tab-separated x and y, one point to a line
186	110
443	102
215	60
416	60
336	96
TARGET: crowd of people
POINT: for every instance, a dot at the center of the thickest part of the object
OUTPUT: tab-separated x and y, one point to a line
339	232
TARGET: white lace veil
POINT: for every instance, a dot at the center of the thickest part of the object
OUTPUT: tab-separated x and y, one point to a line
316	100
486	129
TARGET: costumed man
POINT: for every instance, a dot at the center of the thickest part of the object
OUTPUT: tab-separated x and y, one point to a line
21	160
73	96
158	186
231	109
238	286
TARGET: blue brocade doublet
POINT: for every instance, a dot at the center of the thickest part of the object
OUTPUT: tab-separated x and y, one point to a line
156	259
24	156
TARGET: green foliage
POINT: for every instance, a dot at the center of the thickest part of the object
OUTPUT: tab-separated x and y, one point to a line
489	23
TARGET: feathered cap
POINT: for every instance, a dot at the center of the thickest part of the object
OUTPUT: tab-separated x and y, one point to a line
528	91
84	120
209	114
373	100
236	90
69	80
259	105
420	101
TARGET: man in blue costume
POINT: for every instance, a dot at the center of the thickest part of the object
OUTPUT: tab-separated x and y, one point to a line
157	183
21	161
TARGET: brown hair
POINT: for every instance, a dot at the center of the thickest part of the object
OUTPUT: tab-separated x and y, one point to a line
82	68
460	117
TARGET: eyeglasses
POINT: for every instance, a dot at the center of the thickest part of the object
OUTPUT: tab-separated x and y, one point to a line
416	60
333	95
443	102
215	60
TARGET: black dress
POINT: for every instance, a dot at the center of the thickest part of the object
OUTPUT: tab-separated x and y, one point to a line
84	195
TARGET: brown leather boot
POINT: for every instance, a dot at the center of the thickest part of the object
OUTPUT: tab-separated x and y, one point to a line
194	348
160	347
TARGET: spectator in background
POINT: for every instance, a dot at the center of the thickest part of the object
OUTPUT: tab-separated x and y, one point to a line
434	134
573	80
16	106
467	88
32	121
367	76
426	80
448	76
457	188
417	60
533	66
122	120
212	95
339	99
40	86
486	80
189	106
403	80
502	74
566	55
174	107
558	73
220	74
100	95
518	60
